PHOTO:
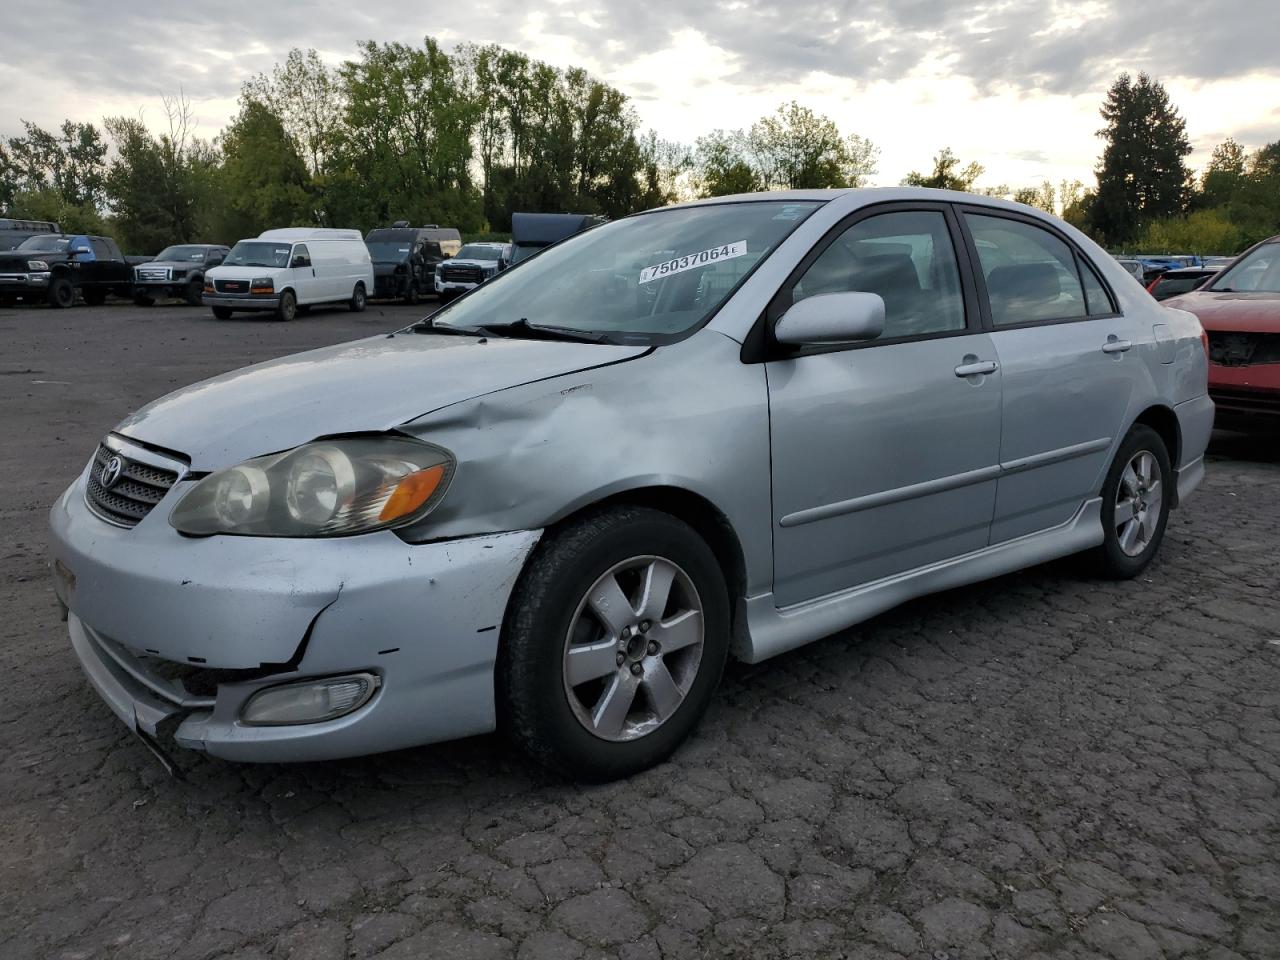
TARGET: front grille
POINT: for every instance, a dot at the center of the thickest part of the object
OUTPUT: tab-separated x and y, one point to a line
1246	401
231	286
153	273
1243	349
139	488
461	274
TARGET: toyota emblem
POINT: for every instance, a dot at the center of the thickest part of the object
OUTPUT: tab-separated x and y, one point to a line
111	471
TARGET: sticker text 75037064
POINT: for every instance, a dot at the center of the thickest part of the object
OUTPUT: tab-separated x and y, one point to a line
691	261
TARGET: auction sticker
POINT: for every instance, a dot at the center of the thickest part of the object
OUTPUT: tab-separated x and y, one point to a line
692	261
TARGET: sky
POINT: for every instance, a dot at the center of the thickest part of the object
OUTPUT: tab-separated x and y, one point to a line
1014	85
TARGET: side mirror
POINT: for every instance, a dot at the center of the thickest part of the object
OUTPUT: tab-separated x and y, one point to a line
80	251
832	318
300	262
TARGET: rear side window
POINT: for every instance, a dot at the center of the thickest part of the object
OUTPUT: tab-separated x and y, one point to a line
908	259
1095	294
1030	273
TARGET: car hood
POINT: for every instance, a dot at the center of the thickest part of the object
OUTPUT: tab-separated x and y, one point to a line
172	264
1223	311
17	259
459	262
363	386
382	268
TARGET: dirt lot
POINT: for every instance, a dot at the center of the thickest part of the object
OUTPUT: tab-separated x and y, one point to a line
1042	766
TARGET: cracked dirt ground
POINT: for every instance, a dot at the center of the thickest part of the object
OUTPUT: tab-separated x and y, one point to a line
1043	766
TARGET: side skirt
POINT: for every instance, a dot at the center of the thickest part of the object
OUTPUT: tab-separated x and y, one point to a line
772	630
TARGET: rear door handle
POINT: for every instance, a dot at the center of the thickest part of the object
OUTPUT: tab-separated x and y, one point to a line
1115	345
973	367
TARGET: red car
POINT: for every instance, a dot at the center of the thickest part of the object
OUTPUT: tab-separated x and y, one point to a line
1240	312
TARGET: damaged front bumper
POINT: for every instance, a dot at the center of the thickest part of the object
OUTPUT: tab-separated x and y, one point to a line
177	634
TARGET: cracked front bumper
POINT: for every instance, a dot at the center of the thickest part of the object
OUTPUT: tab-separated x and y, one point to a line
243	613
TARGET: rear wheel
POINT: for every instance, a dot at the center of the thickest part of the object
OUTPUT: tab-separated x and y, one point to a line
357	302
195	289
62	293
411	296
288	308
223	313
615	642
1136	497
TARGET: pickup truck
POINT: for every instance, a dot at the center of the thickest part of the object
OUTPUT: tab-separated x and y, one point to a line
55	266
177	271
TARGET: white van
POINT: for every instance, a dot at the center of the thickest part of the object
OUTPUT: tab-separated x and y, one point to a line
283	270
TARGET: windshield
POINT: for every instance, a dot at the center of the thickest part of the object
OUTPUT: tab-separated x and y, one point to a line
523	251
258	253
195	254
656	274
1256	272
384	250
53	244
473	251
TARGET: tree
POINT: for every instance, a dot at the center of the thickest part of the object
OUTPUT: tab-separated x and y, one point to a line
947	173
263	179
1202	232
307	96
1224	177
721	165
160	187
1043	197
68	162
1143	175
795	149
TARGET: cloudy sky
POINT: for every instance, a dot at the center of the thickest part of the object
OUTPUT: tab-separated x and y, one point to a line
1015	85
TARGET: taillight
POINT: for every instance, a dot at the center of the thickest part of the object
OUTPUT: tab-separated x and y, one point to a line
1151	287
1204	341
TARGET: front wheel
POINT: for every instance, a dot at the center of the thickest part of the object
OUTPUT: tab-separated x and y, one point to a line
288	308
1136	497
411	295
357	302
613	647
193	293
62	293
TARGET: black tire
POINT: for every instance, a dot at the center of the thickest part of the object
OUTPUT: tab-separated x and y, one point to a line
62	293
358	300
533	703
142	300
1111	560
223	313
411	295
288	308
193	293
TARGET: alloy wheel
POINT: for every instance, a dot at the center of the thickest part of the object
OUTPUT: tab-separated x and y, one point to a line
633	648
1139	501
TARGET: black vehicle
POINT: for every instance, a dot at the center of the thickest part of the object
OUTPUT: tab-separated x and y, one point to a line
405	258
55	266
177	271
530	232
13	232
1171	283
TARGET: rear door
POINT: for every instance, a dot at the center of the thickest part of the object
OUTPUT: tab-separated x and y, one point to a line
885	454
1063	353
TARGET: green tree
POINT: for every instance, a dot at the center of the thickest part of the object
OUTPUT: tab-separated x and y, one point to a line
947	173
1224	177
263	180
70	162
307	96
1202	232
796	148
1043	197
1143	175
160	188
721	165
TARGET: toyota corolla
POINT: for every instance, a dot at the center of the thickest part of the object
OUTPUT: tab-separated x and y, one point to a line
722	429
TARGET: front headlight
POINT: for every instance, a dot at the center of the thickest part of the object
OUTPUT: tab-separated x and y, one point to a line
330	488
37	265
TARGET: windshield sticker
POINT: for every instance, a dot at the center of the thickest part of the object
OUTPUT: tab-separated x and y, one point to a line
693	261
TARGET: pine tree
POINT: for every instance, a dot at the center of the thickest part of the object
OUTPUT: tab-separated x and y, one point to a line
1143	175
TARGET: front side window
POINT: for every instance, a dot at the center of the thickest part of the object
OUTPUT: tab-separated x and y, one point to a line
185	252
657	274
46	243
1256	272
907	258
1030	273
301	256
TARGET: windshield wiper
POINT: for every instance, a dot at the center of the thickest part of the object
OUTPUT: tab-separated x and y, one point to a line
524	330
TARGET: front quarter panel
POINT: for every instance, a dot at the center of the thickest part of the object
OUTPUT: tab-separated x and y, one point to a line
688	415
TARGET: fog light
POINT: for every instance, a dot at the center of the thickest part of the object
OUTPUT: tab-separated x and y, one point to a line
309	701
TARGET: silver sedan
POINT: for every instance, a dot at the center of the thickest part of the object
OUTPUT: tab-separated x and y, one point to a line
722	429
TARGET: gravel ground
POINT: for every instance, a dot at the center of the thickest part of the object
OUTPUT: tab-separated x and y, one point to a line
1041	766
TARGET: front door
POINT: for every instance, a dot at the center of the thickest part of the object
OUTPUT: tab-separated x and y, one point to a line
1068	375
885	454
305	283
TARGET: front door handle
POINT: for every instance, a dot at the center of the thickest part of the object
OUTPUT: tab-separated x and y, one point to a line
973	367
1116	345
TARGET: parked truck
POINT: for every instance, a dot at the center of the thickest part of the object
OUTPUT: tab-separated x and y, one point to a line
530	232
405	258
59	266
177	271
